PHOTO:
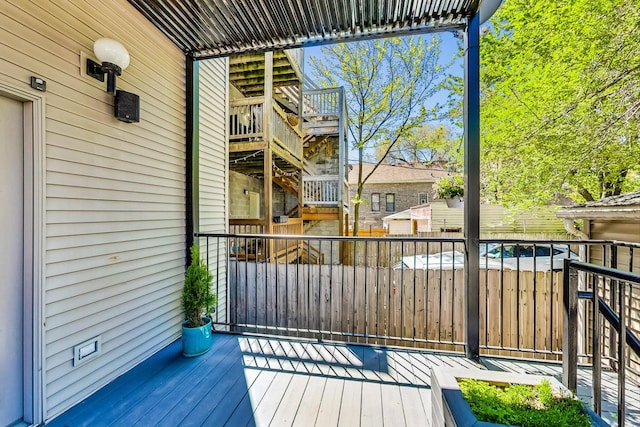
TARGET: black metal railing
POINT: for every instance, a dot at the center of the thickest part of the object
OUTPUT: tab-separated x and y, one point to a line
397	291
610	295
338	288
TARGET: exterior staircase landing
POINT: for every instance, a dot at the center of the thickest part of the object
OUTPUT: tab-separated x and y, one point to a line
320	214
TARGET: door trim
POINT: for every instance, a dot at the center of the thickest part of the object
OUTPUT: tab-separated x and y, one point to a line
34	248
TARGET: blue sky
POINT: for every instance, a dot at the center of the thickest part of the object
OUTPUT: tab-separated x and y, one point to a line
448	46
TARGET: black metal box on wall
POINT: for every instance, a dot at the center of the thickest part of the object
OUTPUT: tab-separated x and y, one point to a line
127	107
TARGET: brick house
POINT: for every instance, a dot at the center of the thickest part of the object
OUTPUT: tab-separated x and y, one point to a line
393	188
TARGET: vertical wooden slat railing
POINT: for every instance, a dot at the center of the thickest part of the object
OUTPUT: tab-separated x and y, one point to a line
321	102
245	119
321	190
285	134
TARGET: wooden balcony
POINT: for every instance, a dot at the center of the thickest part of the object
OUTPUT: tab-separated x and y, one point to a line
320	214
324	111
249	137
321	190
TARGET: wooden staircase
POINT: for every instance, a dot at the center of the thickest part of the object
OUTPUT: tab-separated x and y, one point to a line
246	72
287	183
296	252
312	144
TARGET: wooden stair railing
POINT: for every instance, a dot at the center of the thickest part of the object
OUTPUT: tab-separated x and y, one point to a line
296	251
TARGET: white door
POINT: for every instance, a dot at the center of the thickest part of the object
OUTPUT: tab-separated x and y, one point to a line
11	260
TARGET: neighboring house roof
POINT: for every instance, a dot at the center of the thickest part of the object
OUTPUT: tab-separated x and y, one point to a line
400	215
415	212
615	207
395	174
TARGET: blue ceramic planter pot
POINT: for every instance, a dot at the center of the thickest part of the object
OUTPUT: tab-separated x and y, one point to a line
196	341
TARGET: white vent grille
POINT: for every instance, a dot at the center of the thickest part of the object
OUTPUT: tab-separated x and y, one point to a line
87	350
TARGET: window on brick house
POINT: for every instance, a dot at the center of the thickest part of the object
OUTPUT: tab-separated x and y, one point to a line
391	202
375	202
423	198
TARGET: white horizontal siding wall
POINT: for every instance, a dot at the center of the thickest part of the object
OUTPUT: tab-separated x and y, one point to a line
497	219
114	191
213	186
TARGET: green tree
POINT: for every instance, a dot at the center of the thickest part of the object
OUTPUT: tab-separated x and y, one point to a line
425	144
386	84
560	102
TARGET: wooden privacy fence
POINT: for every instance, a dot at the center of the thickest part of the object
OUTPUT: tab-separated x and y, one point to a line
521	313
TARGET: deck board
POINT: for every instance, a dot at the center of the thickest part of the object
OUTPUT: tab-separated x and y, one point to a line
259	381
329	411
290	401
392	409
415	413
243	415
350	404
371	412
307	413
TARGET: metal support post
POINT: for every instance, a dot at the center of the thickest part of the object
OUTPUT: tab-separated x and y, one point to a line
192	208
472	185
569	328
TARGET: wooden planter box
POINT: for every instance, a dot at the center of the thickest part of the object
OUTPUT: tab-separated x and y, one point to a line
449	408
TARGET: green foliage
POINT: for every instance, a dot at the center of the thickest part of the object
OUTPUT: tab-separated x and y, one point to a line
425	144
197	297
386	82
450	187
522	405
560	111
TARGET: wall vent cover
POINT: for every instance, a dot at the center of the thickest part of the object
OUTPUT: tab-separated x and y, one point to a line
87	350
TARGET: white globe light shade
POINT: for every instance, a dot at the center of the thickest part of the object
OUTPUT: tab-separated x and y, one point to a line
109	50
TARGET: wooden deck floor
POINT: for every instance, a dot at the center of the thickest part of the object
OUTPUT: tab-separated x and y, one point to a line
253	381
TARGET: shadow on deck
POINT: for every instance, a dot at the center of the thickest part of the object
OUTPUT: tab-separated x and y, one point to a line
257	381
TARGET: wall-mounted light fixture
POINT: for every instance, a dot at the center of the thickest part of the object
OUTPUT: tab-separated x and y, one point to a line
114	58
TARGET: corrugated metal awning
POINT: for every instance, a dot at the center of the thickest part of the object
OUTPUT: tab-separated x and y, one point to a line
210	28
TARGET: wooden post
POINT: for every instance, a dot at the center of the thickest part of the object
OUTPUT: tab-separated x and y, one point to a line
300	127
569	328
267	108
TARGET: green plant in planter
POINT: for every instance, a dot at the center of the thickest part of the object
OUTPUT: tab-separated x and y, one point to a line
450	187
197	297
522	405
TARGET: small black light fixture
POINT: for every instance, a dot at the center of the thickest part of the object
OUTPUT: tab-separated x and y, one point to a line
114	58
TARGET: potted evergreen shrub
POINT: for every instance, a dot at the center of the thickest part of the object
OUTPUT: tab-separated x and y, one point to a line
451	189
197	299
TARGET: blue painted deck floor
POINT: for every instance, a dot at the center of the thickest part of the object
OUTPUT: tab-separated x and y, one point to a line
254	381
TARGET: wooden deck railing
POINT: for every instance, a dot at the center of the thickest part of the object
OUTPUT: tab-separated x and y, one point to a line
293	227
322	102
321	190
287	135
245	119
261	249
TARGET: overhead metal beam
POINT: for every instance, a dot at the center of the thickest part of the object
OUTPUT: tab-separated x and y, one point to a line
220	28
472	185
